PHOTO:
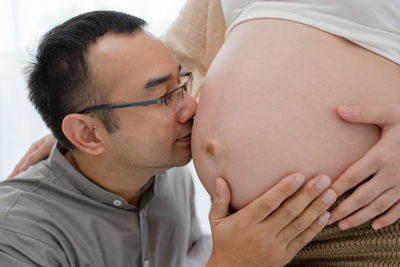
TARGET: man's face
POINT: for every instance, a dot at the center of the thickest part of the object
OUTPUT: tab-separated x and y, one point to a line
138	67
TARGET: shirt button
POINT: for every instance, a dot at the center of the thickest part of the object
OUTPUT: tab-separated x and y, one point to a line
117	203
146	263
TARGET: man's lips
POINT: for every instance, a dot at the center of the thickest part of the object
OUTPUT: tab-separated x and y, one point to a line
185	138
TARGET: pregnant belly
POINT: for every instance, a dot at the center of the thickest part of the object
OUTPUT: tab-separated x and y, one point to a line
268	103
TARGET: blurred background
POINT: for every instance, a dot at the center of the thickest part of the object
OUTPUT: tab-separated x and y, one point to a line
22	24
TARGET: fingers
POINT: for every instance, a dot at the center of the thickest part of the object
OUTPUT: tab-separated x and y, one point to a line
16	169
358	172
382	160
296	204
36	156
37	152
21	165
388	218
386	180
380	115
305	237
308	216
220	203
376	207
361	197
263	206
252	231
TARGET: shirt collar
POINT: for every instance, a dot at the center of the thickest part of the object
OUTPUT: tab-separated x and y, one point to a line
66	173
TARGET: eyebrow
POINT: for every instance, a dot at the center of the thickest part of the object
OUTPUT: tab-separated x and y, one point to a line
159	80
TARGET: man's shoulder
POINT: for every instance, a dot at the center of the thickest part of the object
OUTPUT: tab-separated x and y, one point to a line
25	229
22	219
22	203
33	176
25	184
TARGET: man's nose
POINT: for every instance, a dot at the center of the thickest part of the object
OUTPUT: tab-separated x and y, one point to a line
188	108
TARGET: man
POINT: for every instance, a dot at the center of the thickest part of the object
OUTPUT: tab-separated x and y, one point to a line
109	194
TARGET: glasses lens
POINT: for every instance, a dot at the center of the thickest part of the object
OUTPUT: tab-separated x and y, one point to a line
179	96
189	85
173	101
186	80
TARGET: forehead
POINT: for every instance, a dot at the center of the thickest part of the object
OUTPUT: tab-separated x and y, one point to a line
129	59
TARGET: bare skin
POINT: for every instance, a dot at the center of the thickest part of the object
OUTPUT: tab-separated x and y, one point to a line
275	111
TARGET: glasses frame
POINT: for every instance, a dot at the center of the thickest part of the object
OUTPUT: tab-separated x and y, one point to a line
161	100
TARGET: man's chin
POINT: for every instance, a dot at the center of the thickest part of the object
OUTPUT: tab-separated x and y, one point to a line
183	159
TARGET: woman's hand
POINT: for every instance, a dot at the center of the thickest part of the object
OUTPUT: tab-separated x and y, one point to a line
379	195
271	229
37	152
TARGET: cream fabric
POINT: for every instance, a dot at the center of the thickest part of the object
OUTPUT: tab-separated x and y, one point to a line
196	36
372	24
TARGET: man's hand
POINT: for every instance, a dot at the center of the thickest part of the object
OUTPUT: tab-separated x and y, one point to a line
379	195
271	229
37	152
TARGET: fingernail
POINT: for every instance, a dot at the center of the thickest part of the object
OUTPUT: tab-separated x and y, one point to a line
329	197
324	182
346	110
298	180
376	226
344	225
322	220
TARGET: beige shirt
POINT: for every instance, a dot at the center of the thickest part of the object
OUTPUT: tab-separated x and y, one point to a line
51	215
196	36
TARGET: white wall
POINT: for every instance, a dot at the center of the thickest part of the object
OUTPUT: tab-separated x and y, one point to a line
22	23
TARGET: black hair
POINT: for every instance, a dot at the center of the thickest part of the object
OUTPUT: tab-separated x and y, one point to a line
59	81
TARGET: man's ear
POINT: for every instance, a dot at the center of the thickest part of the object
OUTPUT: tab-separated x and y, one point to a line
85	133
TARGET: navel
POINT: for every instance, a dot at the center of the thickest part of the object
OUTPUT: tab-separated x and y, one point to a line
210	148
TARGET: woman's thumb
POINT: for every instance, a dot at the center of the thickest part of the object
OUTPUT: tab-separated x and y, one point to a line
220	201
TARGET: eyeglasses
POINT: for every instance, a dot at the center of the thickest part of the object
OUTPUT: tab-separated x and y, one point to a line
172	101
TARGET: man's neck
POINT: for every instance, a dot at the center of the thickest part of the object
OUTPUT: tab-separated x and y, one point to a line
128	184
